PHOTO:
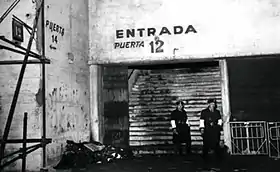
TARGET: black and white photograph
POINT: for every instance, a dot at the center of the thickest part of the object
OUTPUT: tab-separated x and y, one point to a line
139	86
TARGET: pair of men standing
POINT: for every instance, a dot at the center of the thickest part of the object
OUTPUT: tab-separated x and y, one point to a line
210	127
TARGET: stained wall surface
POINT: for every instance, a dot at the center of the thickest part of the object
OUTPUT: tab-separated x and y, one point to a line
67	77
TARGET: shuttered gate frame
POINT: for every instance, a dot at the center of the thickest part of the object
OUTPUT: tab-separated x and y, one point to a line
153	97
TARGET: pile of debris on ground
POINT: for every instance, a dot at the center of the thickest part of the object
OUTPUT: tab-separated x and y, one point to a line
79	155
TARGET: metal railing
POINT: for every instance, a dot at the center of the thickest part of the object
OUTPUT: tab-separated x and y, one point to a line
249	138
273	129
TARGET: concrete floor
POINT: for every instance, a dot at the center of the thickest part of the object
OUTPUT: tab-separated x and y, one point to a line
192	163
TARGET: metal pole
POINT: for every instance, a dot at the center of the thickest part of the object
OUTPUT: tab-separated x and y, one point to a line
247	138
17	51
43	84
17	141
20	150
24	24
9	10
23	167
20	47
19	157
14	101
131	73
17	62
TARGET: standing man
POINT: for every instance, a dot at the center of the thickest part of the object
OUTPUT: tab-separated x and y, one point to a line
180	127
210	127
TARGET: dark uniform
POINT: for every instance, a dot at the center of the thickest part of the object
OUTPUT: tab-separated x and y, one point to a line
183	130
212	131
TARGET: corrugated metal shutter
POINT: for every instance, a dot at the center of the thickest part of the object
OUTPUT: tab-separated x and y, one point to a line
153	97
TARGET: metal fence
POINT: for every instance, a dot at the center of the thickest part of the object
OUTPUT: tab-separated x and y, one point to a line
249	138
273	129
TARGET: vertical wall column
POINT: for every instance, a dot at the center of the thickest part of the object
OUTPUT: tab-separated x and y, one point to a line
225	102
133	76
115	97
96	103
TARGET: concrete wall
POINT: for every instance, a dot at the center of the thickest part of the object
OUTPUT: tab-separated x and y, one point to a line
67	79
31	83
223	28
68	75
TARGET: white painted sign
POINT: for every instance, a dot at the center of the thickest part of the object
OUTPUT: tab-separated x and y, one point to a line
156	45
56	27
145	31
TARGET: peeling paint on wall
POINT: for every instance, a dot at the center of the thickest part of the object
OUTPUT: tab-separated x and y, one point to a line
0	104
70	57
39	95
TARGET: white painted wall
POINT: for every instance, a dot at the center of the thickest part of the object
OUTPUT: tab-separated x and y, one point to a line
224	28
67	94
25	10
68	74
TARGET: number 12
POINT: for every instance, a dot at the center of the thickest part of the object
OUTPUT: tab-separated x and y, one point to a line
159	45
